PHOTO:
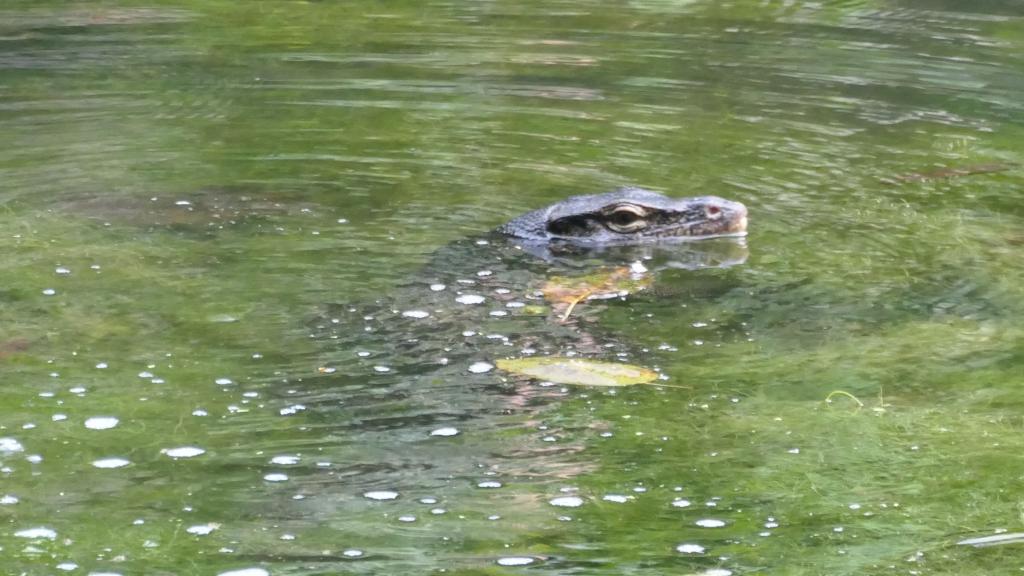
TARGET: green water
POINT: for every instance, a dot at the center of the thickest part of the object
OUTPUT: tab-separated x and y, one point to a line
212	214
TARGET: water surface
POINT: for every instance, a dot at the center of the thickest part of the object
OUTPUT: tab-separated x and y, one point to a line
218	216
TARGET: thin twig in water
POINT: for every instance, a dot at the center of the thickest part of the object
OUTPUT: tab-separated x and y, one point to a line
573	304
828	399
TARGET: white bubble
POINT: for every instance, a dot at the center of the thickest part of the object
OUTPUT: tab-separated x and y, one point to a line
617	498
489	484
7	500
49	292
407	518
515	561
222	318
102	365
101	422
62	270
10	446
446	431
690	549
246	572
276	477
202	529
469	299
66	566
709	523
352	553
381	369
183	452
381	495
110	463
37	533
284	460
437	287
223	381
567	501
716	572
415	313
681	503
480	367
293	409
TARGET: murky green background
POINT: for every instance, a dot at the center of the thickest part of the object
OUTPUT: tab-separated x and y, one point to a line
213	212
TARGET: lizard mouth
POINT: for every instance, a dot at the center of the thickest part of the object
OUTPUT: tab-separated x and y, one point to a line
740	226
729	219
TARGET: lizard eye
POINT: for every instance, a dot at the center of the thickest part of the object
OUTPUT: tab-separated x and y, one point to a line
626	219
713	212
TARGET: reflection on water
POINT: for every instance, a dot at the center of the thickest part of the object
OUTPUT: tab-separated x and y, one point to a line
251	309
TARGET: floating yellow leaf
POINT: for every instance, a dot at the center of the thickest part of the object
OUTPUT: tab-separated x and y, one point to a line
563	370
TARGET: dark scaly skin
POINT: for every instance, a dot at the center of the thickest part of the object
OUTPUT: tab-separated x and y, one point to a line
630	216
387	377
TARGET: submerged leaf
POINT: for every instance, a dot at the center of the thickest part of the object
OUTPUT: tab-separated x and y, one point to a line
604	284
563	370
600	285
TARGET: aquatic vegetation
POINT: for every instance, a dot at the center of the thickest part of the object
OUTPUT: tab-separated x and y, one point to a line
221	330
